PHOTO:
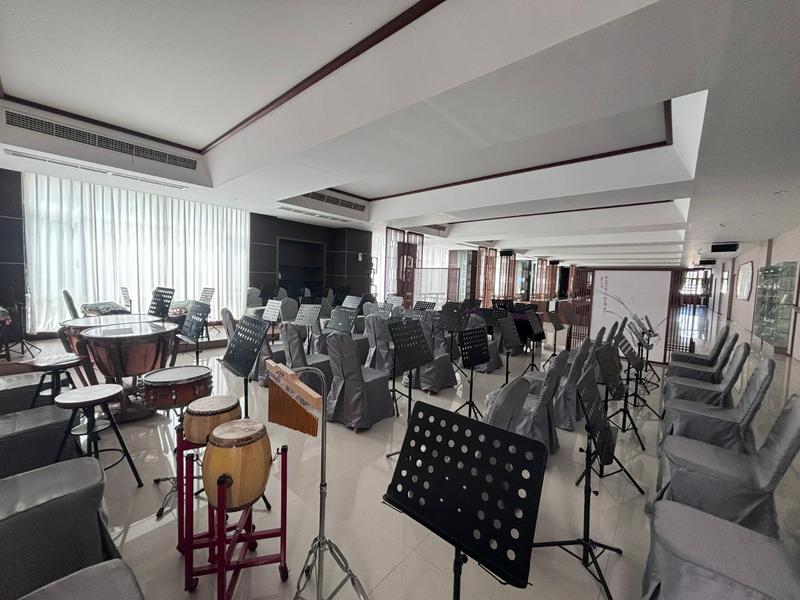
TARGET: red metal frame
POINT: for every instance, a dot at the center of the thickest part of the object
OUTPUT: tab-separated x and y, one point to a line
222	539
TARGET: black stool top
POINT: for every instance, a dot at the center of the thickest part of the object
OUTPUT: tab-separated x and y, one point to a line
88	396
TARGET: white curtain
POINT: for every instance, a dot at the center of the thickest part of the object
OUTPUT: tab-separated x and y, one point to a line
91	239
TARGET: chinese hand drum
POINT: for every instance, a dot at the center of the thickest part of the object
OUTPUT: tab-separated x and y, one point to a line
240	451
174	387
203	415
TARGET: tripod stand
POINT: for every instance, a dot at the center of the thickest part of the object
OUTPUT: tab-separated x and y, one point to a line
474	351
453	321
607	358
511	341
537	334
555	321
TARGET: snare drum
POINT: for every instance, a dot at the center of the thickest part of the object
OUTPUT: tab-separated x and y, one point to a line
173	387
203	415
241	451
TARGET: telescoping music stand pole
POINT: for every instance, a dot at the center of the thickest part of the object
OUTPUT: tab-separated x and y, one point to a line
617	390
308	317
475	486
511	341
537	334
474	351
597	436
315	559
411	351
454	321
555	320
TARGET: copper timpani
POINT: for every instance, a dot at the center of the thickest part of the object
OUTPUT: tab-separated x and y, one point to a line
74	328
241	452
203	415
130	349
175	387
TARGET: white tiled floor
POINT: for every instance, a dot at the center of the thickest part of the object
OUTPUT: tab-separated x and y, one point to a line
395	557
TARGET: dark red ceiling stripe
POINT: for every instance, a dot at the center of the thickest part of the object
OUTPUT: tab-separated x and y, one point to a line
373	39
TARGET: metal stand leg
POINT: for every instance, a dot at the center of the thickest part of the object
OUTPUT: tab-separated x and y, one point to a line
458	563
408	415
472	408
121	441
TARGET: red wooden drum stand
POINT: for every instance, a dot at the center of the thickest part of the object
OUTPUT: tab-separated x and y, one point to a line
227	544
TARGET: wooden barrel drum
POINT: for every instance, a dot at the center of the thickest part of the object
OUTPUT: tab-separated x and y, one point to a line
203	415
241	451
175	387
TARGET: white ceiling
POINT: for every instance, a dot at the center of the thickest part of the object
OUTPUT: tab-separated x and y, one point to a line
470	89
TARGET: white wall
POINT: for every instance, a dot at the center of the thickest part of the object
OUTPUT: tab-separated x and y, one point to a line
641	292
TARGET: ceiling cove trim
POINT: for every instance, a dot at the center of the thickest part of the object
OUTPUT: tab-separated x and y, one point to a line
667	141
407	17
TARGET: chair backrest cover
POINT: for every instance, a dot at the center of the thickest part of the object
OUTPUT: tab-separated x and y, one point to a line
781	446
553	376
598	339
253	296
73	311
282	293
228	323
719	343
725	354
757	386
293	345
577	363
735	366
368	308
506	409
612	332
325	308
343	354
289	308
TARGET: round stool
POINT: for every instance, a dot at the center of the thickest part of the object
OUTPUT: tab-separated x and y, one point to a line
54	365
86	399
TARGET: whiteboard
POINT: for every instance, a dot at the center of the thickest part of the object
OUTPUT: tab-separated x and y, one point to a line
617	294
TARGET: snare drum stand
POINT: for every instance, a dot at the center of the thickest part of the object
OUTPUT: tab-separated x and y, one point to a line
321	543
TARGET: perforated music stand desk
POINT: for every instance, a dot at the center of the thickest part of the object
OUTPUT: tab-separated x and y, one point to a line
159	303
537	335
243	350
272	311
308	317
474	351
450	305
352	302
424	305
193	325
510	337
555	321
342	319
475	486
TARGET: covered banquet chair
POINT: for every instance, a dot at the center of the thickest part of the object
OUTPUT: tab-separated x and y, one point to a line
710	373
289	308
703	359
495	361
718	394
504	406
228	322
697	556
437	374
729	428
359	396
381	352
736	487
566	408
296	357
537	414
320	339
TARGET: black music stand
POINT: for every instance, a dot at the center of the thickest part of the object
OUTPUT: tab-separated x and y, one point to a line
308	317
272	313
523	307
616	389
598	438
503	303
411	351
470	303
555	321
474	351
159	303
474	485
193	328
537	335
636	363
450	305
243	350
453	321
510	336
423	305
342	319
353	302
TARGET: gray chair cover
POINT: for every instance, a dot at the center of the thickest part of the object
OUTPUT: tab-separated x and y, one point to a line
495	361
109	579
381	353
696	556
254	297
281	294
289	308
51	525
537	414
324	309
296	355
359	396
29	439
504	406
566	408
306	292
273	352
330	296
718	394
729	428
737	487
368	308
710	373
228	323
437	374
703	359
73	312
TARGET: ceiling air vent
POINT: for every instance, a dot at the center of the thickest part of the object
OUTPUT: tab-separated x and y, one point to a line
310	213
725	247
43	126
351	204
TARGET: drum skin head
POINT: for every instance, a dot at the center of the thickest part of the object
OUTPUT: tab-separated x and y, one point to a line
213	405
237	433
181	374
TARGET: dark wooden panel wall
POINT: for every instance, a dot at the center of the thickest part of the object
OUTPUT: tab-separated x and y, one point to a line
342	248
12	240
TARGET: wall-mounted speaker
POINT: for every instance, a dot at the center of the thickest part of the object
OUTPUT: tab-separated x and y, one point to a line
707	262
725	247
506	253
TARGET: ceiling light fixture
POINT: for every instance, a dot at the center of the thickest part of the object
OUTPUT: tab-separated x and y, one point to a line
779	192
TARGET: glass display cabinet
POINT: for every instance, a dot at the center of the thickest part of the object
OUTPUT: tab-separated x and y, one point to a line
774	307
